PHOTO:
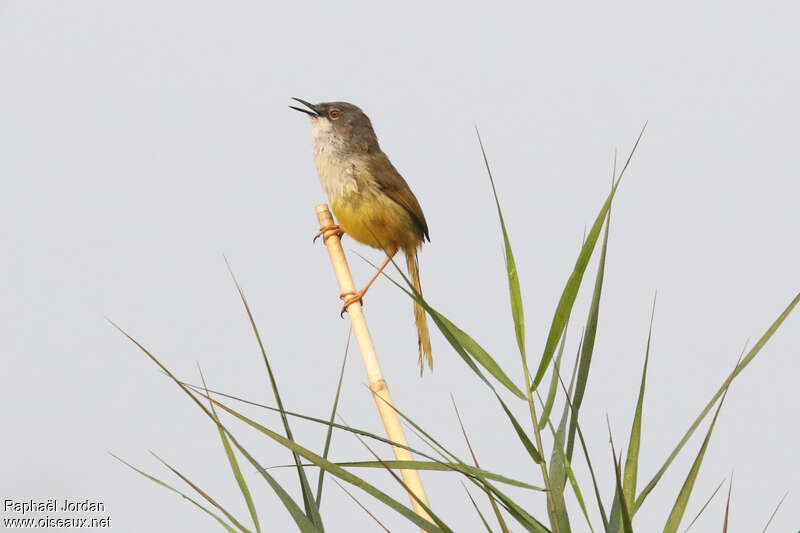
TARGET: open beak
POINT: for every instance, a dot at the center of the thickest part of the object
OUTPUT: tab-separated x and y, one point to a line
310	106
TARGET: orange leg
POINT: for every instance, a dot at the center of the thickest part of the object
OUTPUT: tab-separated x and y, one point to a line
328	231
352	297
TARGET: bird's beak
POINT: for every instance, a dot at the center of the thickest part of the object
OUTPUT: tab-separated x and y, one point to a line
314	113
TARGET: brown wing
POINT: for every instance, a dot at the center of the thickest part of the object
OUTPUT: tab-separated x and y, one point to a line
395	187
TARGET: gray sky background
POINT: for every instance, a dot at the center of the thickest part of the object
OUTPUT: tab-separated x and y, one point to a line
141	141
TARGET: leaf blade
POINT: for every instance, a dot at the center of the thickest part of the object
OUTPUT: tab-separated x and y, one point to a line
515	293
570	292
329	433
725	384
173	489
234	464
311	508
679	508
632	458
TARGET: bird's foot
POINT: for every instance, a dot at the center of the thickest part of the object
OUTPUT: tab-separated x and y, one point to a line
328	231
351	298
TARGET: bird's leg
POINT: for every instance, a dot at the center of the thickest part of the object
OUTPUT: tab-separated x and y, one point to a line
329	231
352	297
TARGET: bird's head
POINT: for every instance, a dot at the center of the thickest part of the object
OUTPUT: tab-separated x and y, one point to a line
341	125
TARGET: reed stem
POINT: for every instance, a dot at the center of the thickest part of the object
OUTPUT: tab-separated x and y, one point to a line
377	383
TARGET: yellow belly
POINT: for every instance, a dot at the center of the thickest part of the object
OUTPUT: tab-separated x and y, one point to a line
376	220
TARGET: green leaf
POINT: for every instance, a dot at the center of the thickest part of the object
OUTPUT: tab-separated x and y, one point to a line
558	465
176	491
626	516
511	268
475	505
586	454
520	515
311	508
329	434
362	506
774	513
558	449
334	469
727	506
477	352
517	512
415	498
467	470
234	464
202	493
492	501
725	384
301	520
703	508
632	459
551	393
588	341
676	515
521	434
564	307
464	345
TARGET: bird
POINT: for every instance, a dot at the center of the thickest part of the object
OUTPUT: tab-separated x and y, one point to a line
372	202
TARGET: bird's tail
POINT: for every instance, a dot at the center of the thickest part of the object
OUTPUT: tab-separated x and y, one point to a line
419	314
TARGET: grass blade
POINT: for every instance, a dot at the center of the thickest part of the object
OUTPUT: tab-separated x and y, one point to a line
632	459
599	500
626	516
480	514
301	519
492	502
336	470
551	393
312	511
305	417
703	508
727	507
234	464
567	300
558	463
725	384
588	340
410	492
774	513
304	524
478	353
434	464
202	493
675	516
333	416
464	345
176	491
532	451
362	506
517	512
558	446
511	268
437	466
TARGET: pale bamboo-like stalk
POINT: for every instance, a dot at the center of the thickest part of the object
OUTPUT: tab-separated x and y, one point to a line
377	384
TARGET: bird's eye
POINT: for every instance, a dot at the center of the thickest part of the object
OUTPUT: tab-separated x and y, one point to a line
334	114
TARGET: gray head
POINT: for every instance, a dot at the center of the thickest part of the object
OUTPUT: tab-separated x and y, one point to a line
340	125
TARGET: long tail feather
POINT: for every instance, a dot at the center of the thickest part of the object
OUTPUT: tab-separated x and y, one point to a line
419	314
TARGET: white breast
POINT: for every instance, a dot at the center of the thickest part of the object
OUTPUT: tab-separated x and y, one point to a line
336	172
